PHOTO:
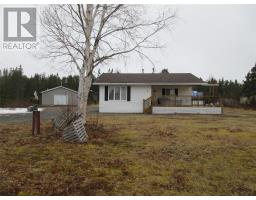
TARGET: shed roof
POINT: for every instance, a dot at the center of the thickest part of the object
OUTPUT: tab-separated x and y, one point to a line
48	90
149	78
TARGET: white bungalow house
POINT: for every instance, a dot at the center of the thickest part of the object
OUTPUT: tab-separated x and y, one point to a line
159	93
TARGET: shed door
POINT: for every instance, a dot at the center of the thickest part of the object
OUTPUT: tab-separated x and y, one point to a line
60	99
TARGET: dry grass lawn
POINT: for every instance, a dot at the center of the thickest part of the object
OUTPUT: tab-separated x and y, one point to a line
135	155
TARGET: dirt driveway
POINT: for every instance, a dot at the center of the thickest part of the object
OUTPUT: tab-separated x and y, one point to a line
47	114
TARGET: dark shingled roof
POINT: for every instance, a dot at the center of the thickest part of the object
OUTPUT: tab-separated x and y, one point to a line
171	78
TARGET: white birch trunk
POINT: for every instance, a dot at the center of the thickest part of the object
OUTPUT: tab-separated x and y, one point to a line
83	94
85	77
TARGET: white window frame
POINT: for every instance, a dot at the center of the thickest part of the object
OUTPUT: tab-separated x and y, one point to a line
120	90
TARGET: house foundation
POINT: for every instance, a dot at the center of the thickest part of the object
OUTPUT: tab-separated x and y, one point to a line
187	110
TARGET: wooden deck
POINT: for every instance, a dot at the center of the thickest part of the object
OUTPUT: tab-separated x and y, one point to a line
183	104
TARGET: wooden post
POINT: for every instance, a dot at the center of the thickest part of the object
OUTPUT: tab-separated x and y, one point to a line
143	105
33	123
36	123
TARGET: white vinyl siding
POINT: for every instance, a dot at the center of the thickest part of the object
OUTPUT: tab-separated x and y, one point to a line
135	105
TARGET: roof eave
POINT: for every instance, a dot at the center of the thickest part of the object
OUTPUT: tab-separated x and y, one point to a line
188	84
211	84
57	88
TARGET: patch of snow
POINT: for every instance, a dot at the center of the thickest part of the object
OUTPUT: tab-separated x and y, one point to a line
4	111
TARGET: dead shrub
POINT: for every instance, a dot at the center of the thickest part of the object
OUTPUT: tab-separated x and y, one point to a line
93	125
96	130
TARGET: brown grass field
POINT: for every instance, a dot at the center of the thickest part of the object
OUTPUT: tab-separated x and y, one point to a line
134	155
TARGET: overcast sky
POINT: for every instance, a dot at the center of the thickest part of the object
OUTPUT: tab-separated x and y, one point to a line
206	40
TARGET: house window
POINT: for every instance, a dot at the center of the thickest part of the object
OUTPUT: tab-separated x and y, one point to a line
123	93
111	93
118	93
168	92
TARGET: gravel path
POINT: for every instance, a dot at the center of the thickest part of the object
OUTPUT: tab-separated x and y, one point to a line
47	114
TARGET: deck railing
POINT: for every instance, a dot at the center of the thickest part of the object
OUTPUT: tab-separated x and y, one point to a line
147	103
186	100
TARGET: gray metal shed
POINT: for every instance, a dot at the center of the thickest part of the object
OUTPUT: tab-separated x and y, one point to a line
59	96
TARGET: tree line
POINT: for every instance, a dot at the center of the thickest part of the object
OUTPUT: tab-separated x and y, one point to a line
17	89
232	91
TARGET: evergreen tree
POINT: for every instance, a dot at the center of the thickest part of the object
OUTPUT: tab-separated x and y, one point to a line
249	87
17	88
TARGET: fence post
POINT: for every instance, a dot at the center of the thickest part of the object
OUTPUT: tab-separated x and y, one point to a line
36	123
143	105
33	123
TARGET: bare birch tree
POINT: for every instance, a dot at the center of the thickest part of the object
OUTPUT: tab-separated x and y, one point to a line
88	36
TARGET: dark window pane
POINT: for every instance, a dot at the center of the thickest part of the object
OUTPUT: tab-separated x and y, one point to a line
111	93
167	92
117	93
128	93
123	93
106	93
176	92
163	91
